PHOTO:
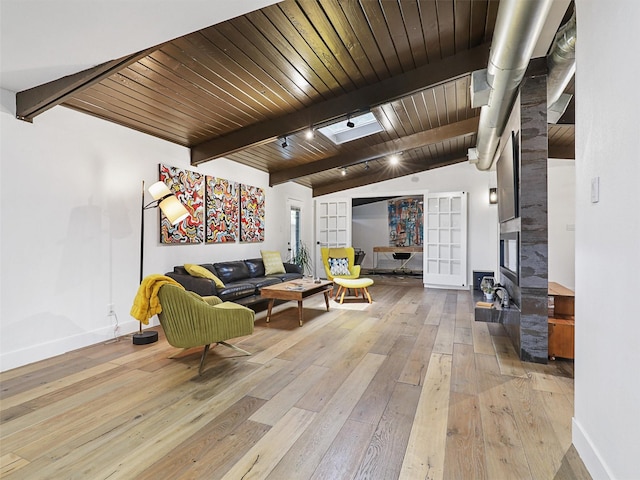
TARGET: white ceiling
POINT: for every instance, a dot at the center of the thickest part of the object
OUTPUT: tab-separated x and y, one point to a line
42	40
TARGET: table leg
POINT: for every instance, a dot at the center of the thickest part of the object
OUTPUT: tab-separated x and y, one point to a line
326	298
271	302
300	311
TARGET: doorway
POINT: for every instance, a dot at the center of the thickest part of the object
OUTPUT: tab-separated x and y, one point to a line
295	214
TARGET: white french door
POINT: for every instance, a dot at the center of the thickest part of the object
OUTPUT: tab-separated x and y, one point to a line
445	246
333	227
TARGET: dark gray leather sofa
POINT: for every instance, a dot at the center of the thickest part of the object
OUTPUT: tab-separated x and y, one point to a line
242	279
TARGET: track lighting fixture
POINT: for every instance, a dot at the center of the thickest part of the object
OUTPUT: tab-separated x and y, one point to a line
350	124
366	165
343	171
284	143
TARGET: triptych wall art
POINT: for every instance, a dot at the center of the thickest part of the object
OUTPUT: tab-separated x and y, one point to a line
221	211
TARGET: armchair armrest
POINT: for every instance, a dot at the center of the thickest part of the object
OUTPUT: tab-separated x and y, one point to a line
212	300
292	267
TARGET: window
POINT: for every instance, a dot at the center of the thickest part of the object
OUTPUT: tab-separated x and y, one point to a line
294	239
352	128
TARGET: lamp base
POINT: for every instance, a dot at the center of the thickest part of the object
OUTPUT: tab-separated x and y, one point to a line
144	338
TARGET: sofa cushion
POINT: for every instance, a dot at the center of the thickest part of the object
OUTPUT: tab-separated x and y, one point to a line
201	286
230	272
285	277
180	270
202	272
260	282
272	262
236	290
256	267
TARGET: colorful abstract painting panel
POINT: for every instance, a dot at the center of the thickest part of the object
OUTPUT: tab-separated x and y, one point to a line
222	210
189	188
252	211
406	222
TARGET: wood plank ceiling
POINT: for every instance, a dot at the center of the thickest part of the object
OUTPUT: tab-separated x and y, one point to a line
238	88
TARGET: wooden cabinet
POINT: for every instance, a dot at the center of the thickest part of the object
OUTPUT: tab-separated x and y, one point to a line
561	321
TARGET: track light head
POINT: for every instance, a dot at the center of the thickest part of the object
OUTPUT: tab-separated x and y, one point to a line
343	171
350	124
284	143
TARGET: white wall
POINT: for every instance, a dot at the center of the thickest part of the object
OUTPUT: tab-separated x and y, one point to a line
606	429
70	216
561	182
483	218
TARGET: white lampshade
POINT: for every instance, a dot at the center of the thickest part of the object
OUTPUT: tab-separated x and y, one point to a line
159	190
173	209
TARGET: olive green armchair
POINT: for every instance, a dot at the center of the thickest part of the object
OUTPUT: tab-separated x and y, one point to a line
189	320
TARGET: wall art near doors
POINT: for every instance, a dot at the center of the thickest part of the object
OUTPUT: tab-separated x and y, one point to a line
189	188
406	220
252	210
222	210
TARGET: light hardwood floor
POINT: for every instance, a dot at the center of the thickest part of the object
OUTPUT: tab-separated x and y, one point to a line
409	387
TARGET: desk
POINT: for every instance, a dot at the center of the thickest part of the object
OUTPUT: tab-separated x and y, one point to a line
410	250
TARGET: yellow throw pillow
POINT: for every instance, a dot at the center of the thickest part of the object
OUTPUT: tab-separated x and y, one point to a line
272	262
199	271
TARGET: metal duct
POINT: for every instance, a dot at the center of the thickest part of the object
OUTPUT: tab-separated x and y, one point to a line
518	26
561	62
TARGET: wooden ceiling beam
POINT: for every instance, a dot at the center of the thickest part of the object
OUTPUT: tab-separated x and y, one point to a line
357	101
382	175
34	101
410	142
567	152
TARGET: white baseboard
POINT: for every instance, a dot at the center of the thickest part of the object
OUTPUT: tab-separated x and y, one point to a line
589	454
35	353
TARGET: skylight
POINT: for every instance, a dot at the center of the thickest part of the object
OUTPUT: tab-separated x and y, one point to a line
363	125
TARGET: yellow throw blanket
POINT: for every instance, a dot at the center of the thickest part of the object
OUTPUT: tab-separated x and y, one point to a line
146	303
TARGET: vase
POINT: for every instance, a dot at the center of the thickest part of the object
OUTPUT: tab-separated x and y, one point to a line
488	297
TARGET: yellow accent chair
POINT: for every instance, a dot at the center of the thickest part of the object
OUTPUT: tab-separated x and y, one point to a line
190	320
339	252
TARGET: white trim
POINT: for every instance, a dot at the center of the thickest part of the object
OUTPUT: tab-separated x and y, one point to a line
43	351
589	453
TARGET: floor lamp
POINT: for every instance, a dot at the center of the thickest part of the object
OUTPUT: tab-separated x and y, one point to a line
175	213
